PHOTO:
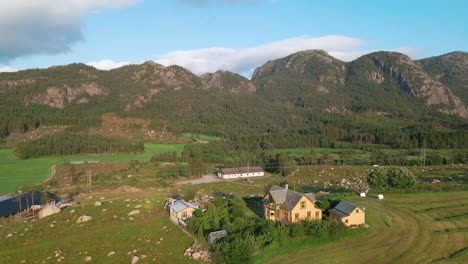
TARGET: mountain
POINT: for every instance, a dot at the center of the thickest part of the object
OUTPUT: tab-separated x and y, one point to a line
380	81
382	98
450	69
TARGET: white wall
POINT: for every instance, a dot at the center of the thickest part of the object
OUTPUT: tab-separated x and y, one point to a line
243	175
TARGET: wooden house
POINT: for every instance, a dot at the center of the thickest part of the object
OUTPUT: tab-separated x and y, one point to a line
287	206
348	213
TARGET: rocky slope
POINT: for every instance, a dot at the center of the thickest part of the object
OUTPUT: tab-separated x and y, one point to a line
309	80
377	81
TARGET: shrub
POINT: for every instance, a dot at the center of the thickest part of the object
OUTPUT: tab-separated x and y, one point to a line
386	178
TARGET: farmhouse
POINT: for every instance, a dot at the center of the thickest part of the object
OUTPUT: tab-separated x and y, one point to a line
181	210
231	173
287	206
348	213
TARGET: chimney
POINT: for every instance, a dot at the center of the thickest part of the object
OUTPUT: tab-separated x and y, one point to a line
286	186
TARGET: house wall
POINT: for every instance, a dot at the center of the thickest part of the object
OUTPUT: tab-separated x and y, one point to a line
283	216
178	215
301	214
357	217
241	175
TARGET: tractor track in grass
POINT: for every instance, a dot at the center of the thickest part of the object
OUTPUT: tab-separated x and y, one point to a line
408	236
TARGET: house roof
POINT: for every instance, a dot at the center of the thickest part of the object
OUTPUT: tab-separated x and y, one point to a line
343	208
241	170
287	198
337	213
182	205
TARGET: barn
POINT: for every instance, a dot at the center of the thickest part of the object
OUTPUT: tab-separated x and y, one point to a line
241	172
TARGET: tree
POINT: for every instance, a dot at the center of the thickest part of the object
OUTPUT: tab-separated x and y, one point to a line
286	165
386	178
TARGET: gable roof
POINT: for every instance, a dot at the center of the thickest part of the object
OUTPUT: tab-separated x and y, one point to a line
343	208
241	170
287	198
182	205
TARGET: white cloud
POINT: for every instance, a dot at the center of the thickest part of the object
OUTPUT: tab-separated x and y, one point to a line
45	26
7	69
244	61
109	64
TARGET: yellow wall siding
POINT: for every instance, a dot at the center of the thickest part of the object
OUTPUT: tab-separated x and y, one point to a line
357	217
354	219
300	214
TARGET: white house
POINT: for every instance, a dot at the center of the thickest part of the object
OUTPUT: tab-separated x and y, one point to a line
231	173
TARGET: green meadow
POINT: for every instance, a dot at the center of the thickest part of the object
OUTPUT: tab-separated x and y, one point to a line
16	173
201	137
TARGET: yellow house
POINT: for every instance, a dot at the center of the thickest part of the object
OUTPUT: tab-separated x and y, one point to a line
348	213
181	210
287	206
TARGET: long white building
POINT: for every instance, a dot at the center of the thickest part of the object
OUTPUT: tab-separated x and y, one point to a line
231	173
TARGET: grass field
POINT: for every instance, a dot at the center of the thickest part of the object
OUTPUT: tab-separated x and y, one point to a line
16	172
405	228
149	233
201	137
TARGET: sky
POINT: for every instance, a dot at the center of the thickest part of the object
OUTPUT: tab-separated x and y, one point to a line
210	35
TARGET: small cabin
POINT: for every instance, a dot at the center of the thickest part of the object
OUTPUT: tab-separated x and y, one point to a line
348	213
181	210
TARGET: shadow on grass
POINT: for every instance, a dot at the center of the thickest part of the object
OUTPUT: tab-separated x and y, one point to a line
255	205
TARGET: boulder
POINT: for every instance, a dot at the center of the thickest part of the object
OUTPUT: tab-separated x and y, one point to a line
135	259
84	218
97	204
49	210
111	253
196	255
134	212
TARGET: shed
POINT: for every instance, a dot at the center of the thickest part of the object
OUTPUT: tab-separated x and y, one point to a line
213	236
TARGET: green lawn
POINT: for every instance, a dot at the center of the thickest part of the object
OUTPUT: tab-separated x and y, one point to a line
149	234
405	228
16	172
201	137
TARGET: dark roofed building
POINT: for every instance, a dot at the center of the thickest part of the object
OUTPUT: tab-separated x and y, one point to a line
288	206
348	213
230	173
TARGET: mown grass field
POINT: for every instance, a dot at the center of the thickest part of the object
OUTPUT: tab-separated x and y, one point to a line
405	228
150	233
16	173
200	137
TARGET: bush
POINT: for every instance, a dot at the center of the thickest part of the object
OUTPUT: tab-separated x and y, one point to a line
386	178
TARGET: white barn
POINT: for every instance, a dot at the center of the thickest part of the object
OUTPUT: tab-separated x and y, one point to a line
241	172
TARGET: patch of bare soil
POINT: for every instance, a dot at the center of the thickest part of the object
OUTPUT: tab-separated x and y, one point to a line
126	189
136	129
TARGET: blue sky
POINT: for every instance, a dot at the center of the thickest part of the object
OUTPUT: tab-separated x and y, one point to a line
207	35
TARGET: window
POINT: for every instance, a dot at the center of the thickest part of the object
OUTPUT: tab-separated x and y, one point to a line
184	215
346	221
357	210
272	212
297	216
309	214
317	214
303	206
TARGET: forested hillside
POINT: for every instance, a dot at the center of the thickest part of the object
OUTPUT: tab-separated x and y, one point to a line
304	100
